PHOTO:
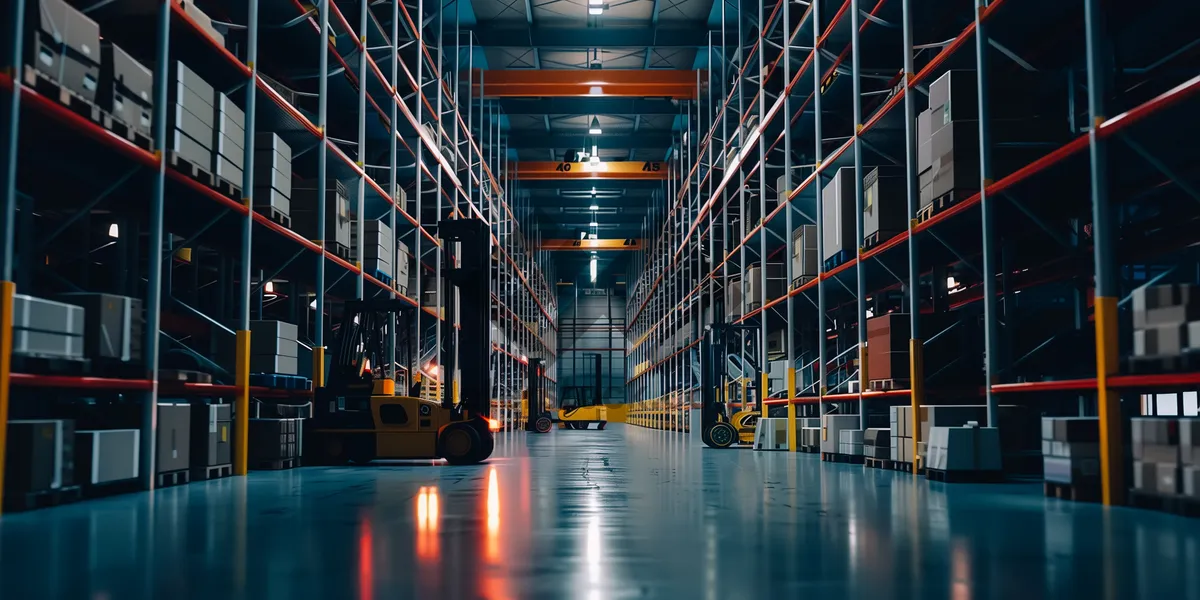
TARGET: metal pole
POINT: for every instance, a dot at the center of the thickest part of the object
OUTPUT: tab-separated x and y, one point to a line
322	186
1112	456
8	220
792	443
855	17
155	254
419	191
763	364
916	348
393	184
360	206
819	155
241	425
990	333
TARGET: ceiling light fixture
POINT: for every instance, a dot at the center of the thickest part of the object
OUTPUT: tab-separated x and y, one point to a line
594	129
592	268
114	231
595	10
593	224
595	2
593	207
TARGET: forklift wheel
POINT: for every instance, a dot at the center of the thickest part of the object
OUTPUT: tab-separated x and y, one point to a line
460	444
543	425
721	435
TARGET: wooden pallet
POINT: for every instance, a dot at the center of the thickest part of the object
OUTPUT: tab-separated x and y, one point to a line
877	463
275	216
124	130
1185	506
17	502
941	203
853	459
1075	493
887	385
192	169
228	188
173	478
212	472
801	281
970	476
276	465
45	85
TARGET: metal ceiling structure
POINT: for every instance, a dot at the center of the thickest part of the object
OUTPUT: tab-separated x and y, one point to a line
630	38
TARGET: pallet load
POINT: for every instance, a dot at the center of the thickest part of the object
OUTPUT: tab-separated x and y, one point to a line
967	453
850	442
211	440
126	92
337	216
1166	326
174	439
63	48
190	131
47	329
838	226
831	428
770	434
378	250
1071	457
273	178
273	347
402	259
113	326
275	443
105	456
877	443
40	461
948	143
229	139
776	284
733	298
804	255
885	206
887	351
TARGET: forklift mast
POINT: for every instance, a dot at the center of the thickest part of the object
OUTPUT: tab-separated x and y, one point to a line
714	353
361	355
535	396
466	348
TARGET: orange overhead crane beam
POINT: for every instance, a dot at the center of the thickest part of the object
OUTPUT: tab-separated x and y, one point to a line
604	244
543	170
630	83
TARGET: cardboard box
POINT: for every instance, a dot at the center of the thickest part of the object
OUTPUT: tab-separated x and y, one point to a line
1158	297
126	88
838	208
955	151
65	44
174	438
1077	429
885	202
185	79
269	198
271	144
831	428
211	438
953	97
107	455
113	325
1160	340
804	251
273	364
1071	470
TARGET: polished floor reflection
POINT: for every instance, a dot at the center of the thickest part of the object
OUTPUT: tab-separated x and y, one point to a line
620	513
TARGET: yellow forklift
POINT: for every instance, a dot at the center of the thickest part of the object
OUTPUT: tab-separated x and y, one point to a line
719	429
358	417
538	418
577	412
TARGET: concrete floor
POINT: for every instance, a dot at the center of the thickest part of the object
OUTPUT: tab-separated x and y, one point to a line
620	513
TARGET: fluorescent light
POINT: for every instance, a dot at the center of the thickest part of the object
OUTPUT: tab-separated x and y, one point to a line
593	224
595	10
595	131
113	231
595	2
593	207
270	287
951	283
592	268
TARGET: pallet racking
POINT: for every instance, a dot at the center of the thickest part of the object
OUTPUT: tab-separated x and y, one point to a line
366	93
1083	191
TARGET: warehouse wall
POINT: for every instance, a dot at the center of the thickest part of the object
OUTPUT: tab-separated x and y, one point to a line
590	321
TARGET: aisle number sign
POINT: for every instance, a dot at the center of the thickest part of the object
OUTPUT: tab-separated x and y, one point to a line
534	170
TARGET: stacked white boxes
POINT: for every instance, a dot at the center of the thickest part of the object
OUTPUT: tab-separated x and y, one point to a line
1166	456
850	441
948	137
64	45
776	284
126	88
1071	450
885	203
877	443
402	259
378	249
733	298
192	116
969	448
337	214
838	204
804	253
831	428
272	175
106	455
1166	322
229	137
273	347
45	328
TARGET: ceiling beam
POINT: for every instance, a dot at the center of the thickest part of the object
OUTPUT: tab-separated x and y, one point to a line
586	245
588	106
555	171
535	138
676	35
628	83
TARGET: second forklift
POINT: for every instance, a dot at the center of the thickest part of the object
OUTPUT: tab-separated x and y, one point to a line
580	412
719	429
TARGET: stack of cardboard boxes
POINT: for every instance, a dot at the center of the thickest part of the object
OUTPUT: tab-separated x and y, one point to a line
337	215
1166	323
831	432
126	88
804	254
1071	451
40	458
733	298
967	448
113	326
948	138
202	20
776	284
887	348
885	204
272	175
273	347
378	249
212	436
838	222
402	270
877	443
1166	456
192	116
850	441
47	329
105	456
64	46
229	139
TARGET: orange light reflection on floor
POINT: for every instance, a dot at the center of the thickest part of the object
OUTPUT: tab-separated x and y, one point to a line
428	546
493	516
366	565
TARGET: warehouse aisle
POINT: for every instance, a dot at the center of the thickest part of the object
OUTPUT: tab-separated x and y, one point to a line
621	513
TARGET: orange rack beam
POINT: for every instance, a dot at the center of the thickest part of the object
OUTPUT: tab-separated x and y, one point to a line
605	244
550	170
569	83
